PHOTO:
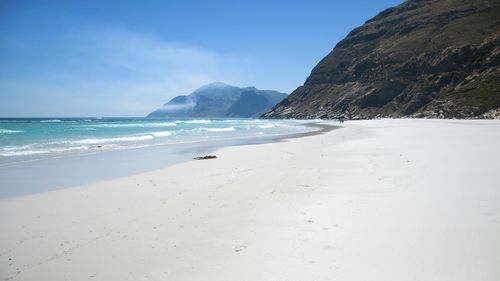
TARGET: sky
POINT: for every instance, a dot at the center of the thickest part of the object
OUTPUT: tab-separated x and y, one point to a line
126	58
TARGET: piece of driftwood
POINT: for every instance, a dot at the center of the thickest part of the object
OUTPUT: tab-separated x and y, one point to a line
206	157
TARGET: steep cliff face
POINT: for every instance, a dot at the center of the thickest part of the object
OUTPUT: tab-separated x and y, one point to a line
423	58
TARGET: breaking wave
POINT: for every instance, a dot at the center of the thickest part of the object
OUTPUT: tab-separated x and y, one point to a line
229	129
5	131
195	122
169	124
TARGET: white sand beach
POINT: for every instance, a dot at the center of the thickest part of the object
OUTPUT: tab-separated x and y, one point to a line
374	200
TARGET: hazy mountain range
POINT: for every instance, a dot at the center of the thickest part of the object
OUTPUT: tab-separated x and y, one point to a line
422	58
220	100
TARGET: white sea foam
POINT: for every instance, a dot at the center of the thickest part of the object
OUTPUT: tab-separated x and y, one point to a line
75	145
23	152
232	121
58	121
195	121
169	124
17	147
160	134
267	126
228	129
51	121
6	131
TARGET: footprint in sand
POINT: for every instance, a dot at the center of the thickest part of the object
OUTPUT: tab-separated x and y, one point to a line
327	247
239	248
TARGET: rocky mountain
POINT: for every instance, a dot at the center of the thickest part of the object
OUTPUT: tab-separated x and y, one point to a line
220	100
422	58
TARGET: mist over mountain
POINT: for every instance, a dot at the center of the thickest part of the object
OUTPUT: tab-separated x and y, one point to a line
422	58
220	100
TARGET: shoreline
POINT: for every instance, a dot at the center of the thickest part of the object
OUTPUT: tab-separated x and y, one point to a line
401	199
67	171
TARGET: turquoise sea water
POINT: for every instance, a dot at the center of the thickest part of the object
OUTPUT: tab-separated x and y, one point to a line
38	138
38	155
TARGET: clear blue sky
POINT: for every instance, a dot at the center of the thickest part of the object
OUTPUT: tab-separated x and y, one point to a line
125	58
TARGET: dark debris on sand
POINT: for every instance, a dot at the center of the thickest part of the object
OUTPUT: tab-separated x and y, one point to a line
206	157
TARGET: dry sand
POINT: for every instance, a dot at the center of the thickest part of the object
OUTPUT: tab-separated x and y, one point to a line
375	200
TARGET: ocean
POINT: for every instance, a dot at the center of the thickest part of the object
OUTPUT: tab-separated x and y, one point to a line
37	138
42	154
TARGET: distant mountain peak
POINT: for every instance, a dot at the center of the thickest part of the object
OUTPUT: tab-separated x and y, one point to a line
216	84
219	99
